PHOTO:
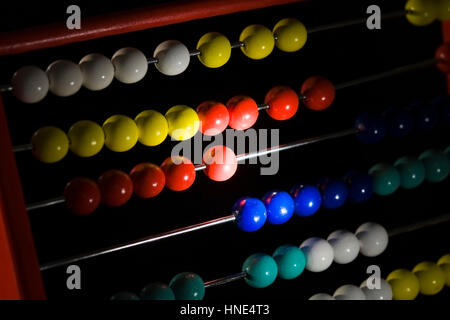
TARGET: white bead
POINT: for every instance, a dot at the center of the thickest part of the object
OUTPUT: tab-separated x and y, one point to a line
97	70
383	293
130	65
321	296
373	239
30	84
349	292
65	78
319	254
345	246
173	57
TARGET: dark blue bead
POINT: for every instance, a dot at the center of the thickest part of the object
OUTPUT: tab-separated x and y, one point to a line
250	213
334	193
399	122
426	115
442	103
279	206
360	186
372	127
307	199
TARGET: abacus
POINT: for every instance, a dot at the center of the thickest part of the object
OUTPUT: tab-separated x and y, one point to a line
348	140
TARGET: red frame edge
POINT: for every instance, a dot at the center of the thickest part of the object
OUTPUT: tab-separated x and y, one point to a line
446	38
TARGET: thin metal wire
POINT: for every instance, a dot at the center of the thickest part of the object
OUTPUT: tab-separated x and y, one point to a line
45	203
22	147
194	53
263	106
152	60
226	279
6	87
237	44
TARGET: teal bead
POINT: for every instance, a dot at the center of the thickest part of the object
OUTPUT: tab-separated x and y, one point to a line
437	165
187	286
261	270
157	291
291	261
447	152
386	179
411	170
125	295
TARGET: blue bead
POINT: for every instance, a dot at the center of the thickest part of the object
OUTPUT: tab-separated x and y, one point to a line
399	122
372	127
307	199
157	291
125	295
360	186
250	214
426	115
442	103
334	193
279	206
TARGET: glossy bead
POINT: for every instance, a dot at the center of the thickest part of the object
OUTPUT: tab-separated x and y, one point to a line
291	261
221	163
157	291
349	292
173	57
258	41
437	165
121	133
30	84
431	277
334	193
443	10
411	170
86	138
250	214
148	180
444	264
384	292
152	126
447	152
49	144
82	196
359	185
321	296
213	116
282	101
443	56
187	286
427	117
64	77
291	35
400	123
130	65
179	172
424	12
319	254
97	70
279	206
261	270
183	122
345	246
373	239
318	93
215	49
243	112
372	128
116	188
404	284
386	179
307	199
125	295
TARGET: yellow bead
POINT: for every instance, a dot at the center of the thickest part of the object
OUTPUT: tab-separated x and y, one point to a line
49	144
183	122
404	284
258	41
444	264
423	12
152	127
431	277
443	10
291	35
121	133
215	50
86	138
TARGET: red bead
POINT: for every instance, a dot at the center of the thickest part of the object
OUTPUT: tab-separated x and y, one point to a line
443	54
282	101
318	93
148	180
214	117
82	196
243	112
180	173
116	188
221	163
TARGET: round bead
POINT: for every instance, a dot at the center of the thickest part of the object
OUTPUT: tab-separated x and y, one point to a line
130	65
427	117
30	84
97	70
345	246
319	254
411	170
360	186
152	126
334	194
431	277
215	49
404	284
179	172
349	292
290	35
148	180
386	179
49	144
423	12
443	10
125	295
291	261
116	188
399	122
187	286
321	296
258	41
213	116
444	264
437	165
64	77
82	196
373	239
243	112
261	270
447	152
372	128
443	55
282	101
86	138
250	214
121	133
157	291
183	122
318	93
307	199
173	57
382	293
221	163
279	206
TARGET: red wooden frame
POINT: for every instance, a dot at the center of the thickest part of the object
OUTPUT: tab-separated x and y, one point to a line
446	37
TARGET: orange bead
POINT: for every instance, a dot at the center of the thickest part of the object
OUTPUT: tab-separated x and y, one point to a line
116	188
243	112
179	172
213	116
443	55
82	196
282	101
148	180
221	163
318	93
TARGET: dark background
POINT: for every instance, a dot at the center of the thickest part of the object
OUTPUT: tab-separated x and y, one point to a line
340	55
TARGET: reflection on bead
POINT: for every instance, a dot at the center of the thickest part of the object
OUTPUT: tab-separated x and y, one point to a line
183	122
30	84
187	286
318	93
65	78
307	199
334	193
173	57
386	179
86	138
148	180
116	188
279	206
221	163
443	55
431	277
426	117
291	35
82	196
319	254
360	186
321	296
179	172
373	239
345	246
152	126
49	144
424	12
384	292
258	41
130	65
125	295
372	128
282	102
349	292
261	270
437	165
404	284
157	291
411	170
250	214
121	133
243	112
399	122
215	49
291	261
97	70
213	116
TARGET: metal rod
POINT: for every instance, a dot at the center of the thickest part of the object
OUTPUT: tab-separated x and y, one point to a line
22	147
46	203
419	225
6	87
226	279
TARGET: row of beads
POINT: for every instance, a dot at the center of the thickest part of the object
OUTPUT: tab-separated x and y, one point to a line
425	12
287	262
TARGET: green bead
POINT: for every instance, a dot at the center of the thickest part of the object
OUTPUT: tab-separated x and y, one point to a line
157	291
125	295
447	152
411	170
187	286
386	179
291	261
437	165
261	270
